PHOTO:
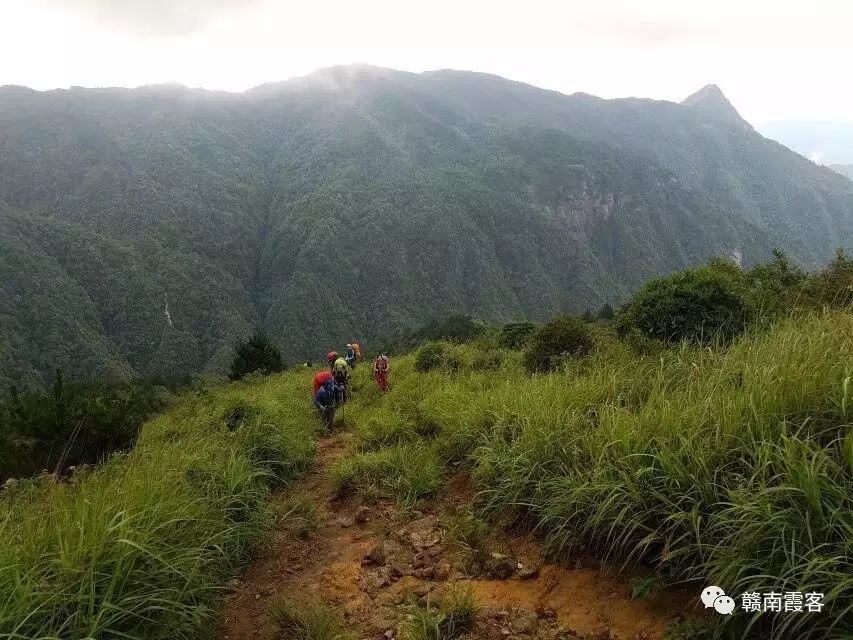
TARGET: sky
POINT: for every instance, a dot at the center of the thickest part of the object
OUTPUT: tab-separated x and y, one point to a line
775	60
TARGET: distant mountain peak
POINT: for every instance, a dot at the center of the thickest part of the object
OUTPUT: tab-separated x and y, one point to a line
711	101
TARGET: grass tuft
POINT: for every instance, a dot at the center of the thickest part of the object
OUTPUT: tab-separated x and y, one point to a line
301	621
450	618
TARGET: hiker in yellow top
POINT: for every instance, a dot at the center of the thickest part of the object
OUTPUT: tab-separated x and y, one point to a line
340	371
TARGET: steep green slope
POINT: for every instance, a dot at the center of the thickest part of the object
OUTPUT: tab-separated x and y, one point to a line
146	230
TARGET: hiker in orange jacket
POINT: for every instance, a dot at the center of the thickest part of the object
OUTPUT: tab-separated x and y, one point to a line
380	372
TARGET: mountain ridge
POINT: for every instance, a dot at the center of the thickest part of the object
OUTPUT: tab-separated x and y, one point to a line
322	219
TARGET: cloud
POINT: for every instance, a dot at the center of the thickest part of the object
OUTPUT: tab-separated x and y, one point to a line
152	17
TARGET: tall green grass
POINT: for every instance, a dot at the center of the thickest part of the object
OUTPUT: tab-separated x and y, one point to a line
731	466
140	547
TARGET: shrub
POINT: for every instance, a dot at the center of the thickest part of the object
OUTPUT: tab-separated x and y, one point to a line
436	355
833	286
491	360
257	354
700	305
74	424
562	336
775	286
458	328
516	335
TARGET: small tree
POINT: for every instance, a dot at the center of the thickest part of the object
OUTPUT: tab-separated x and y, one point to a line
561	337
257	354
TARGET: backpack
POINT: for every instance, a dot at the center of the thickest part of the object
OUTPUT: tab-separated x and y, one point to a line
357	350
382	364
340	368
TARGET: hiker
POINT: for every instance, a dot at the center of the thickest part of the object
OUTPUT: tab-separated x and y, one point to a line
330	358
320	379
350	357
340	371
380	371
326	400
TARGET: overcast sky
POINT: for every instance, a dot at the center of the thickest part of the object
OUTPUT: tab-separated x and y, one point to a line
774	59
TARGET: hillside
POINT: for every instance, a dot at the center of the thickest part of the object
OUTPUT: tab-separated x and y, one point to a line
594	501
843	169
143	231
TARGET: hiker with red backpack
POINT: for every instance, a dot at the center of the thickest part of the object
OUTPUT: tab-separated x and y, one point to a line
320	379
326	401
380	372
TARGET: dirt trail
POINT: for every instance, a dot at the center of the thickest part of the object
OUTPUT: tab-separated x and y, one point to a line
370	562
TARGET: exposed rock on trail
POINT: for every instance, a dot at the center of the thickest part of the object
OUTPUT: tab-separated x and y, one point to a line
372	563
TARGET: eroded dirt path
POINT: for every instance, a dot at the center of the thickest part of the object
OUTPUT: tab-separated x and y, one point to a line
369	563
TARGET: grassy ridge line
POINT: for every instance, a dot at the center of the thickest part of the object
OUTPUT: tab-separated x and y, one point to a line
140	547
731	466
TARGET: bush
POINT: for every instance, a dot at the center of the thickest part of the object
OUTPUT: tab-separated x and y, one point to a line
833	286
490	360
72	425
516	335
436	355
257	354
562	336
700	305
457	328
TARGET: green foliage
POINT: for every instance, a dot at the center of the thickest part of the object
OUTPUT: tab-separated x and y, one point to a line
467	531
74	424
516	335
436	355
720	465
118	206
564	336
605	312
257	355
459	328
452	617
302	621
833	285
701	305
299	515
404	472
141	546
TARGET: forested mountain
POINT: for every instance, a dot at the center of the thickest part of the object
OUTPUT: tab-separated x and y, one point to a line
145	231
